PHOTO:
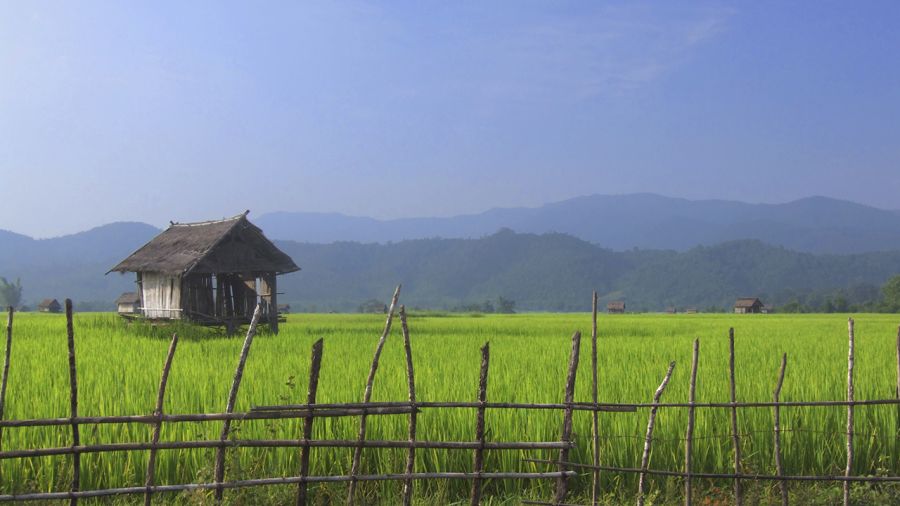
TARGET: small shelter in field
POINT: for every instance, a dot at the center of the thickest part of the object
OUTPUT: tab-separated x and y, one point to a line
211	272
672	310
746	305
690	310
284	309
616	306
129	303
49	306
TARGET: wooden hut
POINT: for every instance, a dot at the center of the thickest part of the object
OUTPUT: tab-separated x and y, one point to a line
615	307
49	306
129	303
211	272
746	305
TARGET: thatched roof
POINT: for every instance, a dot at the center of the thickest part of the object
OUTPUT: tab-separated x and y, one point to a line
224	246
747	302
129	298
46	303
616	304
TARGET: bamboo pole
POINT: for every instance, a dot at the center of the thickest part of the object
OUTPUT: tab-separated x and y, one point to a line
157	428
314	368
578	406
849	467
689	437
9	324
566	437
367	395
735	437
73	403
595	416
779	466
232	398
478	457
648	441
411	381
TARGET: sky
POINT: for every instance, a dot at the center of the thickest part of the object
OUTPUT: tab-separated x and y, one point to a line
158	111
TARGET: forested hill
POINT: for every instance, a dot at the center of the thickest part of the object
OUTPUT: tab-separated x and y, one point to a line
552	272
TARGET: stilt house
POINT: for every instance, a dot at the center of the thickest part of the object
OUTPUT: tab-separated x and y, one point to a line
746	305
615	307
212	272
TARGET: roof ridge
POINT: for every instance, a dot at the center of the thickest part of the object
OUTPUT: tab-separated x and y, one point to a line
209	222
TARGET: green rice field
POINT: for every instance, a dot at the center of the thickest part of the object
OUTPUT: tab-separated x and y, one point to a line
119	367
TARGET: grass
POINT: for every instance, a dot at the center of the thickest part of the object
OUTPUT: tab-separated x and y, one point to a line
119	367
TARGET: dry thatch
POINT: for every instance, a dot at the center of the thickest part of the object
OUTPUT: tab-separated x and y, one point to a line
747	302
224	246
128	298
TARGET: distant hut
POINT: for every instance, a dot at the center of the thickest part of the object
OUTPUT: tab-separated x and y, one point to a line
211	272
49	306
615	307
746	305
672	310
129	303
284	309
690	310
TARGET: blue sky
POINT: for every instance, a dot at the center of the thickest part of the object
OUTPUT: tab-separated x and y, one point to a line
193	110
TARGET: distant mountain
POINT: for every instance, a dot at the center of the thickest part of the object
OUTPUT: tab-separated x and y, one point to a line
621	222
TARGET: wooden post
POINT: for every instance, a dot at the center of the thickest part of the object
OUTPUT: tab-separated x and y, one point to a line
689	437
849	469
314	368
779	466
272	283
367	396
595	419
648	441
232	397
73	403
561	482
157	427
9	323
735	436
478	459
411	382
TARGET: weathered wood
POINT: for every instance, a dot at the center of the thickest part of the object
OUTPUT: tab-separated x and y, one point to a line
315	367
562	484
689	436
73	402
849	468
411	383
157	428
478	457
367	395
735	435
578	406
779	466
3	382
648	441
595	416
232	398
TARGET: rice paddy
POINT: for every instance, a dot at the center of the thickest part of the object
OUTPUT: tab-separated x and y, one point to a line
119	367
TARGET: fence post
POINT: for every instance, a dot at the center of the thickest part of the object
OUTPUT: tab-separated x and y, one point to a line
9	323
648	441
157	427
689	437
232	397
314	368
735	436
411	382
478	459
73	403
561	482
849	469
367	395
595	418
779	466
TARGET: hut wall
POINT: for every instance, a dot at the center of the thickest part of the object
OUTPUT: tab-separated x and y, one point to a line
161	295
197	293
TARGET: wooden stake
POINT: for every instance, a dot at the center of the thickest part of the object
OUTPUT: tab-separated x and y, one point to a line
411	381
314	368
779	466
562	482
648	441
9	323
689	437
735	437
595	420
232	397
478	459
357	453
73	403
849	468
157	428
